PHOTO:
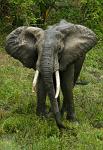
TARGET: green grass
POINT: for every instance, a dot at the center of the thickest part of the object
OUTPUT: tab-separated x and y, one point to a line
21	129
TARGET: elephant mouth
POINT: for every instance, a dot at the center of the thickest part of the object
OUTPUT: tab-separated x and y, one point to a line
57	77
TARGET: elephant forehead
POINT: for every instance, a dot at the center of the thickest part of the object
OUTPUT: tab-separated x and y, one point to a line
51	34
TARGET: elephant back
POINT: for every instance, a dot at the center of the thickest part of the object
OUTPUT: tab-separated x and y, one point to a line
21	45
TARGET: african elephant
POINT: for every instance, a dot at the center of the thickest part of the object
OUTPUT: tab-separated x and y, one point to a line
57	54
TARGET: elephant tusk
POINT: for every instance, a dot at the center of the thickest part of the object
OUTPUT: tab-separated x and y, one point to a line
35	80
57	84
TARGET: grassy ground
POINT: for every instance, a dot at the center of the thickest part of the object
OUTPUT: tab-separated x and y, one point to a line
21	129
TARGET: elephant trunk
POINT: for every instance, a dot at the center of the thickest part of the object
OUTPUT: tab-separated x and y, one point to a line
46	69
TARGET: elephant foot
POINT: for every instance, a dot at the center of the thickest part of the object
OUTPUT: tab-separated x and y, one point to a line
41	113
50	114
61	126
41	110
72	118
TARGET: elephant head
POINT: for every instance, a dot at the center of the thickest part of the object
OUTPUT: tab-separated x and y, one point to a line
50	51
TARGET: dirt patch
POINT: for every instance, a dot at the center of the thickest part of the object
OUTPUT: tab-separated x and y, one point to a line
4	58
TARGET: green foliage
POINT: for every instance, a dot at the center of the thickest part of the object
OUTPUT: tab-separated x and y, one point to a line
86	12
19	13
22	12
42	12
92	14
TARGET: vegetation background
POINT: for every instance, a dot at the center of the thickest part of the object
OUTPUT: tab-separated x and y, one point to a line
20	128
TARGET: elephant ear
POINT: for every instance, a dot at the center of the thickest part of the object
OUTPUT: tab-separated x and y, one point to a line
78	40
21	44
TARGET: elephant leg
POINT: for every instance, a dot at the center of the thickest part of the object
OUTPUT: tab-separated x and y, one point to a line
77	68
41	98
67	79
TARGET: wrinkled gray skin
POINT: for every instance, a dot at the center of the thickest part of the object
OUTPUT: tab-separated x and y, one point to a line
61	47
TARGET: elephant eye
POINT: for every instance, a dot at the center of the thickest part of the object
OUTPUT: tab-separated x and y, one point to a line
59	48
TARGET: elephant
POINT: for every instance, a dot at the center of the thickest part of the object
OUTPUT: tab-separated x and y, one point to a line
57	55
